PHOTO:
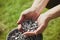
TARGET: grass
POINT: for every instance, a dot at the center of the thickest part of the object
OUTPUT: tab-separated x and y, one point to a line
10	11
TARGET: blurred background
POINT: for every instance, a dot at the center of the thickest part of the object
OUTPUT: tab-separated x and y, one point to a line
10	11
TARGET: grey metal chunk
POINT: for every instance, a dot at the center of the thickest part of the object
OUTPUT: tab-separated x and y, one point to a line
27	25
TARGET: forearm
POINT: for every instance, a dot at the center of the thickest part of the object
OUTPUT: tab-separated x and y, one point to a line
50	14
53	13
39	5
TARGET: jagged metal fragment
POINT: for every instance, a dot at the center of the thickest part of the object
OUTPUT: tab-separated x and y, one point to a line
27	25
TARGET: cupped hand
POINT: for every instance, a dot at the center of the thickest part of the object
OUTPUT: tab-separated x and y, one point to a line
27	14
42	24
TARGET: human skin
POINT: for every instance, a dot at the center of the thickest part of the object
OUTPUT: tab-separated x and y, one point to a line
43	20
46	17
32	13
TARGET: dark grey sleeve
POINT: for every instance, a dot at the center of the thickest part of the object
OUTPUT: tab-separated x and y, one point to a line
52	3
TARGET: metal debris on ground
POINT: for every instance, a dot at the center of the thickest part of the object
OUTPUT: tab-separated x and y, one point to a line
27	25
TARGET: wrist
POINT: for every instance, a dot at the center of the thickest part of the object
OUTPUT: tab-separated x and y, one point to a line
35	9
48	16
53	13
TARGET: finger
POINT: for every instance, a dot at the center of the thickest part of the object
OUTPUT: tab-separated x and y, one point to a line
29	33
21	19
19	27
42	27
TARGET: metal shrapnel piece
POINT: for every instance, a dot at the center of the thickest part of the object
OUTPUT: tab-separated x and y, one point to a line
27	25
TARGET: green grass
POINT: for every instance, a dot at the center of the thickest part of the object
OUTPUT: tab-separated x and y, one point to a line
9	14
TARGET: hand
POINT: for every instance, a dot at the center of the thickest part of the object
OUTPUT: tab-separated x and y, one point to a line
28	14
43	20
42	24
